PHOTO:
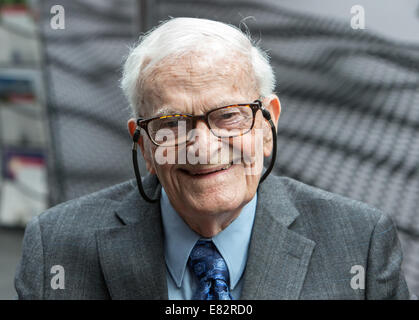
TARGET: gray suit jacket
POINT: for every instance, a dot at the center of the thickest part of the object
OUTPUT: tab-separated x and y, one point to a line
304	244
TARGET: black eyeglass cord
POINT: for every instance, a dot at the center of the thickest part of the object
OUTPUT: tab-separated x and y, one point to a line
136	136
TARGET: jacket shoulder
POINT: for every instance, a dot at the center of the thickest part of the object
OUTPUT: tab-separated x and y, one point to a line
320	206
94	208
349	236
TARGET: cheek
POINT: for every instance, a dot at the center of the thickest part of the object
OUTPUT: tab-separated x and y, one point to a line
149	150
169	180
252	148
165	167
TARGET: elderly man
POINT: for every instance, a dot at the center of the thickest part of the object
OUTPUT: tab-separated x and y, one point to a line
202	224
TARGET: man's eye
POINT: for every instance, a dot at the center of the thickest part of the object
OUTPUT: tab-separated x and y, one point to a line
170	124
228	115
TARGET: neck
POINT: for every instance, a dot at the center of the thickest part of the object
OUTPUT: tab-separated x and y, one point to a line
209	225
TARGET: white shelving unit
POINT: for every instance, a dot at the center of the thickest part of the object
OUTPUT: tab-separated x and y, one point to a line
23	126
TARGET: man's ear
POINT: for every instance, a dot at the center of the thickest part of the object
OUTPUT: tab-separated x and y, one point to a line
273	105
132	125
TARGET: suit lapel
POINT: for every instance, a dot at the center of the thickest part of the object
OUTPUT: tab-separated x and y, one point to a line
132	256
278	257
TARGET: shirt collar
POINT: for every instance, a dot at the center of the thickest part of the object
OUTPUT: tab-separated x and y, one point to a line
232	242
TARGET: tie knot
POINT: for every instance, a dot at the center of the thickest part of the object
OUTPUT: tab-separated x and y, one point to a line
207	263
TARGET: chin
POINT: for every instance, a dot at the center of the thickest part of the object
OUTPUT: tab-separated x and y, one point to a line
217	202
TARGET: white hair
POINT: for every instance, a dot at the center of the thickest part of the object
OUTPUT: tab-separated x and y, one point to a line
178	36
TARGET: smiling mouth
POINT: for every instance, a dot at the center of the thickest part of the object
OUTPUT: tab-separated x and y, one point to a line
207	171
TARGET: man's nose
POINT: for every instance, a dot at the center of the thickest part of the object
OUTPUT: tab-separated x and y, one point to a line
203	135
209	148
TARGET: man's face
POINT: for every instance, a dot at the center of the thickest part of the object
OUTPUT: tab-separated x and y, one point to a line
195	84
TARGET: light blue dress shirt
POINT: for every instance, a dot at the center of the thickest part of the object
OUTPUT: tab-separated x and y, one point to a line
179	239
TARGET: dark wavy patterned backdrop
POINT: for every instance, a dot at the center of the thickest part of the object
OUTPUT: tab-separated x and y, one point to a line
350	99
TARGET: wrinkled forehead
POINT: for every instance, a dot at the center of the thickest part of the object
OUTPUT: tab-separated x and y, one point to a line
197	81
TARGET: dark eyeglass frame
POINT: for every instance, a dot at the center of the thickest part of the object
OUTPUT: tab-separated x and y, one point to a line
255	106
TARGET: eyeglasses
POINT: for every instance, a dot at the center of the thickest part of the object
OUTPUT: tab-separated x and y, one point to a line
224	122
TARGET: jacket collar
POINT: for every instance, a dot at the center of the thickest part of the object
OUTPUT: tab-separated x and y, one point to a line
132	256
278	257
133	207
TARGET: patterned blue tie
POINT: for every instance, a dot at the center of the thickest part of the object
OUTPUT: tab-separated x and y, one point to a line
212	272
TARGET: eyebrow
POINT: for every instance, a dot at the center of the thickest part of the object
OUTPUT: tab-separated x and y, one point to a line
165	111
